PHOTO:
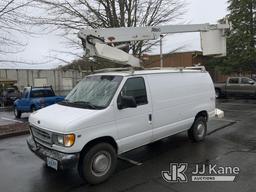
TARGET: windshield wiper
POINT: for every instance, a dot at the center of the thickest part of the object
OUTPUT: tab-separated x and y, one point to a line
88	104
65	101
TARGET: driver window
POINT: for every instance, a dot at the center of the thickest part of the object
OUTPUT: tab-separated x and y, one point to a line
135	87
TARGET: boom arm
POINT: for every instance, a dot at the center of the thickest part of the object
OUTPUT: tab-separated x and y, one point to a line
95	41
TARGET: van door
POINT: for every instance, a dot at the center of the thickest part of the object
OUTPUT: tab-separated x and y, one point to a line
134	124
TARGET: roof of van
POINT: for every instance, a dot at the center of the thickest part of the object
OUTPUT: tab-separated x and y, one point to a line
146	72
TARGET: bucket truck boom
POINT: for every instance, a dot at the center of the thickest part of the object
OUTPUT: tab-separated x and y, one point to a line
100	42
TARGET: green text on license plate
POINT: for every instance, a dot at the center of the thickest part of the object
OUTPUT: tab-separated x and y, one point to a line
52	163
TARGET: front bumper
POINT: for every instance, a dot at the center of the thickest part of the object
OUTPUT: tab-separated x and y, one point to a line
65	160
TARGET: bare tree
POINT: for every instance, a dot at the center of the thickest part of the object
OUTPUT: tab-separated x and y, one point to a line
12	19
71	16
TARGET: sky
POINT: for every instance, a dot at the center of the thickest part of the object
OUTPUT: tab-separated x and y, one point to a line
41	48
198	11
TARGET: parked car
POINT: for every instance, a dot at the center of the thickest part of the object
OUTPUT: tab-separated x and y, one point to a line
34	98
8	95
236	86
111	113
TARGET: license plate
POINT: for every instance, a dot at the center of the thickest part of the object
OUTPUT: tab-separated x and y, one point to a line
52	163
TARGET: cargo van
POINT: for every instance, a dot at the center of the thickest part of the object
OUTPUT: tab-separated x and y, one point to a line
108	114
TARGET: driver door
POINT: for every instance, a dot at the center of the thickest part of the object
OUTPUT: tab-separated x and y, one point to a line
134	124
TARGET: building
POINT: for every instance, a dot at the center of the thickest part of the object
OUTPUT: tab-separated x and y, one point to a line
62	81
178	59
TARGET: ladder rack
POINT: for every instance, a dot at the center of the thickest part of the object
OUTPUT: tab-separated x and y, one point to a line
132	69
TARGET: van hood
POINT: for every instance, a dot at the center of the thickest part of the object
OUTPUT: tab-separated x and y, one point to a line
60	118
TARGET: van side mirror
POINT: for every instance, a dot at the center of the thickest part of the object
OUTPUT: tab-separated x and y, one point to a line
126	102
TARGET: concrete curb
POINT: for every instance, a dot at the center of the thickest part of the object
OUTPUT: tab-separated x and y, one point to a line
15	129
4	109
13	134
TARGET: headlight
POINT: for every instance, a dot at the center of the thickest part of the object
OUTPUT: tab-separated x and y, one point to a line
64	140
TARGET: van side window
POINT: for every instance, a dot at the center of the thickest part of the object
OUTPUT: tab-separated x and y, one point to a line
135	87
233	81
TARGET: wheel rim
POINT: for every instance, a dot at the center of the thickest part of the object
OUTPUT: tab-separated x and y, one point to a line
200	130
101	163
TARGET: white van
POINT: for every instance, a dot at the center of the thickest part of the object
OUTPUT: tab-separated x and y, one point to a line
110	113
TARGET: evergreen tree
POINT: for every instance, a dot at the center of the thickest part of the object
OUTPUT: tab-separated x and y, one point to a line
241	38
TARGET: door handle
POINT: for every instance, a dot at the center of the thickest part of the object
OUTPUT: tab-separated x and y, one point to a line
150	118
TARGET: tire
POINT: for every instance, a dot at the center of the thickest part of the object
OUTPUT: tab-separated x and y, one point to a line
217	93
17	113
98	163
198	130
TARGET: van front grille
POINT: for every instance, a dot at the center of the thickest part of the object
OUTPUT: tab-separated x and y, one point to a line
42	136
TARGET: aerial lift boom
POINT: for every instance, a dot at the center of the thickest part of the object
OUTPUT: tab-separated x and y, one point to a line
100	42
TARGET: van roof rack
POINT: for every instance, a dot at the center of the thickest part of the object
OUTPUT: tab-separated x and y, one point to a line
202	68
128	69
132	69
199	68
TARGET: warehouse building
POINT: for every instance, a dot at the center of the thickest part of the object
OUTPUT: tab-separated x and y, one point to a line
62	81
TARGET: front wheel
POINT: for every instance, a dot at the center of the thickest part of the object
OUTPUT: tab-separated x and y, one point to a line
98	163
198	130
17	113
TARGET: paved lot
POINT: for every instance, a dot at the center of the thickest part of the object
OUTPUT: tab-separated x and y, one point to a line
231	142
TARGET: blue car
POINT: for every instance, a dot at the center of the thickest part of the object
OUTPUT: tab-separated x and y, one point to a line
34	98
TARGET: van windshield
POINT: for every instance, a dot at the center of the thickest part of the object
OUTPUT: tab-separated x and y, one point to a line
93	92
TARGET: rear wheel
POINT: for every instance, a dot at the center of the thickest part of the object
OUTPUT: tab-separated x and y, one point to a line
17	113
198	130
98	163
